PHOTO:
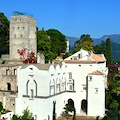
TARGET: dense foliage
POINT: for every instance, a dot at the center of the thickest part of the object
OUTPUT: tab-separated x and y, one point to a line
58	41
84	42
27	115
4	34
113	93
104	48
44	44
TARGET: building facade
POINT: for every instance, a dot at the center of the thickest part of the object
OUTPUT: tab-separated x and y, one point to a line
22	36
81	79
22	41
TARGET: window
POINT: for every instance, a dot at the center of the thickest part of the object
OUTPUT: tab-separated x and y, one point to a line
70	75
32	94
15	72
84	87
96	90
9	86
90	78
79	56
31	69
58	88
57	85
52	87
75	58
7	72
14	36
71	87
21	36
63	83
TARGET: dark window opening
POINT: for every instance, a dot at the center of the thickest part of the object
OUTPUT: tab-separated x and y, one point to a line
70	75
8	86
71	102
84	106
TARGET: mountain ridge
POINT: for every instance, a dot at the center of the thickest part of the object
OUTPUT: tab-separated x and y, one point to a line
115	44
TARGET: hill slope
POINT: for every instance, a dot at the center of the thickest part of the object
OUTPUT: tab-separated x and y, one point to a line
115	44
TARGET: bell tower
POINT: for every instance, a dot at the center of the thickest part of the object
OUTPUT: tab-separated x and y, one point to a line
22	35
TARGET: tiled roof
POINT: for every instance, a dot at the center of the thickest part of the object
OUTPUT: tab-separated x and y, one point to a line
96	73
79	61
94	58
98	58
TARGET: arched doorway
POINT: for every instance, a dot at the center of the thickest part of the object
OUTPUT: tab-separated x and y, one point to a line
8	86
71	102
84	105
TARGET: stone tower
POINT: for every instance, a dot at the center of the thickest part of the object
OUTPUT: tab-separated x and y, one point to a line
22	35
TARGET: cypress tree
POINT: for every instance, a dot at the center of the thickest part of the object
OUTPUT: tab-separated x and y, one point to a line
108	51
54	114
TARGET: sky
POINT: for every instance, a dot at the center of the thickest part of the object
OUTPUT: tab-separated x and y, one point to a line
71	17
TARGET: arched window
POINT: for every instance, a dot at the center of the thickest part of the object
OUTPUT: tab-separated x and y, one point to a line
71	102
15	72
8	86
57	85
63	88
32	91
84	105
7	72
52	87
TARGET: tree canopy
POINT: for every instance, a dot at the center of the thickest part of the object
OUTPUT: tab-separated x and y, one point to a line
50	43
44	44
4	34
104	48
84	42
58	41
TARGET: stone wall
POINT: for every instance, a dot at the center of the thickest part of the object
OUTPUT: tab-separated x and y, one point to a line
22	35
8	80
8	100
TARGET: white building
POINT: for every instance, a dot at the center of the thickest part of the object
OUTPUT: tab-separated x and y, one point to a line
79	80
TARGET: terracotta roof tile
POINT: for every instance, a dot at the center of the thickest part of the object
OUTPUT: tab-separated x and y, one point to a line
98	58
96	73
79	61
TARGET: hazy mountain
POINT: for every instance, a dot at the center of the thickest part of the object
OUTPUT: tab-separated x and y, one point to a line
72	40
114	38
96	41
115	44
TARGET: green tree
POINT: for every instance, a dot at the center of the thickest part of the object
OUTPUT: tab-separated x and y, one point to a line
97	118
113	115
114	104
74	115
58	41
54	114
1	106
113	93
84	42
105	48
100	49
4	34
68	108
44	45
16	117
27	115
108	53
